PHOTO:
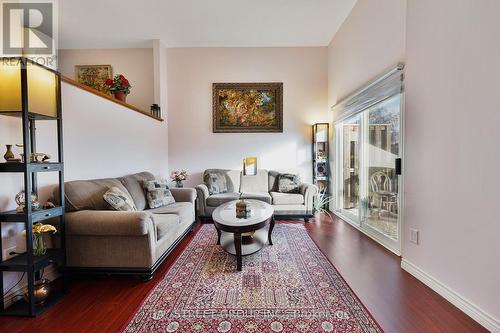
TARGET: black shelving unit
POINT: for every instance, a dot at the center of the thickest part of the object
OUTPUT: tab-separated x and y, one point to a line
27	262
321	153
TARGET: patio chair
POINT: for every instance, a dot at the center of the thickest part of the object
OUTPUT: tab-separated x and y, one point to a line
383	195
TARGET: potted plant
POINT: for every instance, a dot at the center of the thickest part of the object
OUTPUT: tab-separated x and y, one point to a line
119	87
322	200
178	177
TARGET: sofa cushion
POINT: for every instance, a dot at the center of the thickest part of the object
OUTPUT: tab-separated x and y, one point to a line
216	182
165	224
273	177
88	194
255	184
288	183
133	183
183	209
158	193
287	198
232	178
263	196
118	200
216	200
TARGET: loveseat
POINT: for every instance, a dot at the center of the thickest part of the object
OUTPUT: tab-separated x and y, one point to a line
101	240
263	186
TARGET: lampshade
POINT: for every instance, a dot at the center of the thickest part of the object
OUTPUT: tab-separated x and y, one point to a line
41	84
42	98
10	87
321	132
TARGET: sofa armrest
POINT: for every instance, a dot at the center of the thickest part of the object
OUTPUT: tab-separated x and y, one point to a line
308	191
108	223
202	190
203	194
184	194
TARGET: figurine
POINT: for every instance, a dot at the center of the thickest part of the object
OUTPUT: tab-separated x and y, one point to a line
49	205
20	200
39	157
35	157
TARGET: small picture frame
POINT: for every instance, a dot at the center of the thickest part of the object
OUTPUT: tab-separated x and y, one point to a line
250	166
94	76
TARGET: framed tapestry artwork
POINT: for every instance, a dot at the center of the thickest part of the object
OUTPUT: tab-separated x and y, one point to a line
247	107
94	76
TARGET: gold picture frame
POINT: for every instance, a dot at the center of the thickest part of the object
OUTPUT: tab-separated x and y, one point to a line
94	76
250	166
247	107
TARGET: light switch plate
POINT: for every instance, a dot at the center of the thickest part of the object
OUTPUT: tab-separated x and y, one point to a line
414	236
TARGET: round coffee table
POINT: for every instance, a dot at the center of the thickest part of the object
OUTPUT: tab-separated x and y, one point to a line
241	237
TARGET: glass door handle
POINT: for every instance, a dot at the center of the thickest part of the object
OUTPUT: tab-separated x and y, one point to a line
397	166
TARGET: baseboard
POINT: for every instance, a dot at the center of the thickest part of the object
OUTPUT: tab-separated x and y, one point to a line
469	308
50	273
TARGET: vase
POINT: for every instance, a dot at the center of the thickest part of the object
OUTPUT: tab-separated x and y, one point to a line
120	95
39	247
178	184
9	155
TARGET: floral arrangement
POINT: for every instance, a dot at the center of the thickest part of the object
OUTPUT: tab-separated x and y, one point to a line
179	175
39	247
118	83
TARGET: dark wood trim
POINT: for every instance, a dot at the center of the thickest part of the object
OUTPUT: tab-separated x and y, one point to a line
241	229
276	86
108	97
298	215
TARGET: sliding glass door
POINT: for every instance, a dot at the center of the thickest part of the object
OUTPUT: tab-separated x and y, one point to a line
368	149
349	138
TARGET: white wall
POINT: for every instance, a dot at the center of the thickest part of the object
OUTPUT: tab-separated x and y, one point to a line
191	72
452	136
104	139
101	139
370	40
135	64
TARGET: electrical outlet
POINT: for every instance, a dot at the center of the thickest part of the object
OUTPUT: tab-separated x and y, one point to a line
414	236
6	253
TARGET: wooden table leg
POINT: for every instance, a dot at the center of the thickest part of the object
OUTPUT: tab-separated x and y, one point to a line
271	227
237	246
218	235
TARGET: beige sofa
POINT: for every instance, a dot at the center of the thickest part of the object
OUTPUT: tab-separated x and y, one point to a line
100	240
264	187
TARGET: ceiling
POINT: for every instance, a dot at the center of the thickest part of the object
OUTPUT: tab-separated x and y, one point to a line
199	23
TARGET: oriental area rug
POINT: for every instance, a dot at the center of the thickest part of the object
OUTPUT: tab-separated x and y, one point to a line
287	287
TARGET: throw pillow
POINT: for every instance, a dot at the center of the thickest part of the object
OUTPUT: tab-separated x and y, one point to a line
118	200
158	193
288	183
216	183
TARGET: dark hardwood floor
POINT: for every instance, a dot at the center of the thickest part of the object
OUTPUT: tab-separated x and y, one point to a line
398	301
